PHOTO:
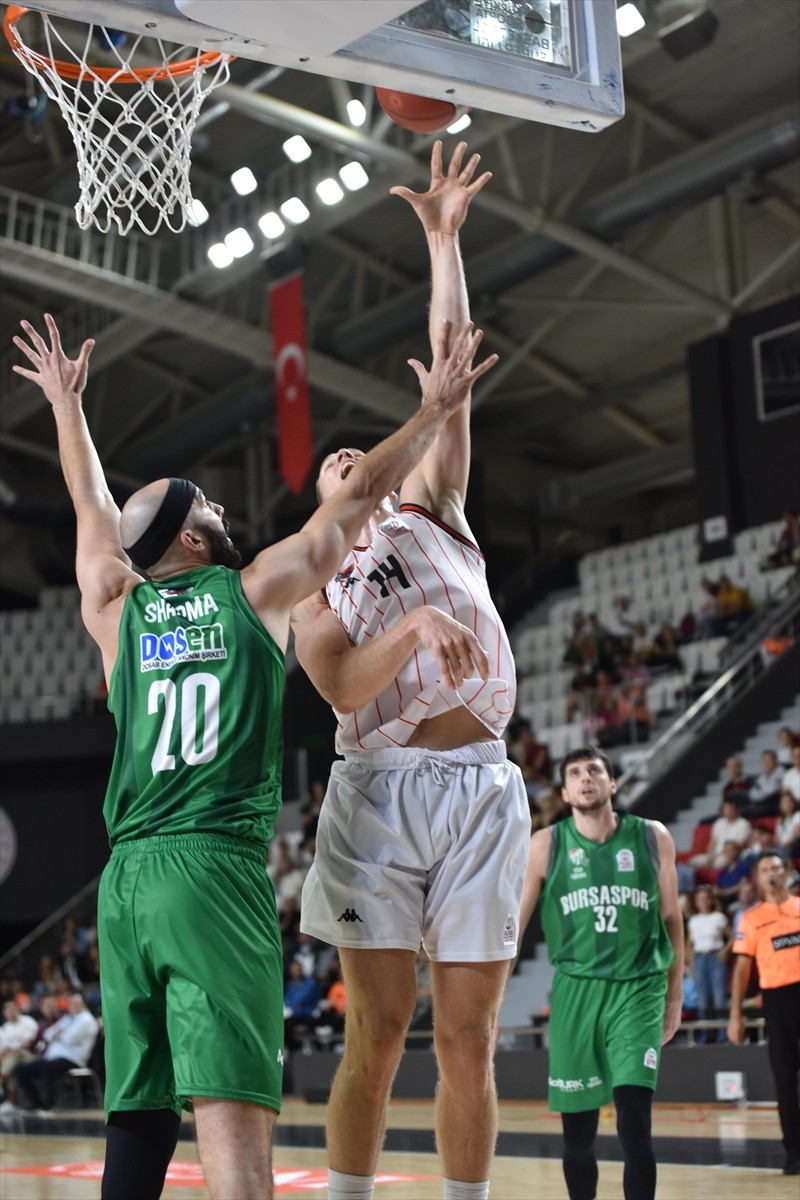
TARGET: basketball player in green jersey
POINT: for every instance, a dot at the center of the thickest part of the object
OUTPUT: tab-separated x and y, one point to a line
614	933
192	975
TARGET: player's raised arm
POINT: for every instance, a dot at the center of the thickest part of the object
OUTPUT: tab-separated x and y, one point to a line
535	874
103	568
439	482
289	571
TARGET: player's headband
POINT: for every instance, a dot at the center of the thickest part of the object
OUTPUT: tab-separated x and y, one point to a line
165	525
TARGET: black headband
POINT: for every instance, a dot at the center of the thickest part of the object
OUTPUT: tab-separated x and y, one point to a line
164	526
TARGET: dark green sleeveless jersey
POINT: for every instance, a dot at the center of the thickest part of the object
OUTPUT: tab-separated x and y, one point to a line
601	903
197	695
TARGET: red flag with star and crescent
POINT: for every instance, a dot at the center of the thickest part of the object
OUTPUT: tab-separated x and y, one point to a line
292	403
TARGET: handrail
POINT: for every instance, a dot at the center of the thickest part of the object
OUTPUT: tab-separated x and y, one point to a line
19	948
746	668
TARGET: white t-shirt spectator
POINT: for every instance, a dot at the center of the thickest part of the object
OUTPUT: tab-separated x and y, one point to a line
16	1035
791	781
72	1037
738	830
787	830
767	784
708	932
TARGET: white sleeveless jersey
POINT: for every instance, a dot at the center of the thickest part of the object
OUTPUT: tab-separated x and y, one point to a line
416	559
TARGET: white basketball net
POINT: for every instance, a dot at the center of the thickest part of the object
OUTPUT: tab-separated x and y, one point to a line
133	139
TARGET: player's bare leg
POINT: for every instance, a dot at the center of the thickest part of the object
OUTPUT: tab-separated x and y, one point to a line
466	1001
381	992
235	1145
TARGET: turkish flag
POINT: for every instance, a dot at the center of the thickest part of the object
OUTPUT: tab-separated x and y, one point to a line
292	405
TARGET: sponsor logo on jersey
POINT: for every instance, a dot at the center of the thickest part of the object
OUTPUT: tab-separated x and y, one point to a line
567	1085
618	894
190	610
509	931
196	643
594	1081
786	941
350	916
346	577
181	591
650	1058
578	857
625	860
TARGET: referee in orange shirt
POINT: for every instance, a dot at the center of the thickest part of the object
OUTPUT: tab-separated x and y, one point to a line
770	933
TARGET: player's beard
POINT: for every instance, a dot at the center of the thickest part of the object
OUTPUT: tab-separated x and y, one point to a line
586	805
223	551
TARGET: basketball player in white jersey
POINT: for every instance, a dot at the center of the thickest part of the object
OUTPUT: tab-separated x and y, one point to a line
424	830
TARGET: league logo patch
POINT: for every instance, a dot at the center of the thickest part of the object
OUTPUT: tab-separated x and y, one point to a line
650	1058
578	857
509	931
393	526
625	860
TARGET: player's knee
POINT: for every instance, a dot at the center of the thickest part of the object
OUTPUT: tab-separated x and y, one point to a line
377	1035
465	1048
580	1129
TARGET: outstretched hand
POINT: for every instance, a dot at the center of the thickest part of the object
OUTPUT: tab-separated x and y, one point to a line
443	208
59	377
450	379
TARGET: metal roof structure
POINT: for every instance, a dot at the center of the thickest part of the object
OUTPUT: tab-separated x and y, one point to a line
593	260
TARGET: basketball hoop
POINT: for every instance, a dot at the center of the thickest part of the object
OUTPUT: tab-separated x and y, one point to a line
133	144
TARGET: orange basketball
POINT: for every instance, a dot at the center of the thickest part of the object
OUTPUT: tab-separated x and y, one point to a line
420	114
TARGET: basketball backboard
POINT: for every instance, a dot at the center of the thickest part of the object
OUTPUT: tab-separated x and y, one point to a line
552	61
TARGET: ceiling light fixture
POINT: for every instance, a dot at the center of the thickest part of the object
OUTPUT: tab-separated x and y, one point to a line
329	191
244	181
629	20
295	211
353	176
356	112
239	242
220	255
297	148
271	225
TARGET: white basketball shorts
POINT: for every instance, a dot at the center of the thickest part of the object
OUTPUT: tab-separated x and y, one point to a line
421	847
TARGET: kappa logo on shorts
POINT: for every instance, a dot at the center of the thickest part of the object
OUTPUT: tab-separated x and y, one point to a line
348	915
625	860
650	1058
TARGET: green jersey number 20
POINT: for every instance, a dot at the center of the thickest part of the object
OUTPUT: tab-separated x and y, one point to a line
198	702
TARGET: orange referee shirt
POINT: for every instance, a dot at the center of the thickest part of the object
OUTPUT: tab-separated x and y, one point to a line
770	933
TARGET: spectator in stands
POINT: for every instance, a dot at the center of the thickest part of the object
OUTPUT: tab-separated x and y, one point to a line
730	826
551	808
787	547
305	953
787	830
335	1002
90	972
787	740
533	759
709	613
737	786
70	1042
735	605
633	721
746	897
300	1004
17	1038
580	646
791	777
709	947
663	653
621	620
311	809
49	977
765	790
737	867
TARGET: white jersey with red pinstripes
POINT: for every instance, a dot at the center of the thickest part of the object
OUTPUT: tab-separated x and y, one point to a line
415	559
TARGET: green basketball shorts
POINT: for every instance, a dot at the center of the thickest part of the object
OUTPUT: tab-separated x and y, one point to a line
603	1034
191	974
